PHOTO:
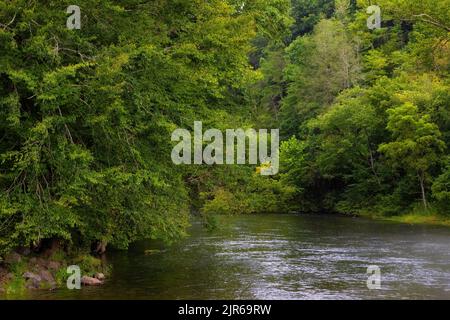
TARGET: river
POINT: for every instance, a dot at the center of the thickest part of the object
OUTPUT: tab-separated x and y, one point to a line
281	257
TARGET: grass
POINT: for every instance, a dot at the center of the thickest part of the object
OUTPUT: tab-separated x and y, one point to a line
15	288
418	215
415	218
61	276
90	265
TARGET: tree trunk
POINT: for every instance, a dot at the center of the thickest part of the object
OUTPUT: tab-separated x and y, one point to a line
100	247
422	188
372	163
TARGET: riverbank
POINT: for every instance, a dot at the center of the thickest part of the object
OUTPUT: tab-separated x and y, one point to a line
420	219
415	218
22	271
279	256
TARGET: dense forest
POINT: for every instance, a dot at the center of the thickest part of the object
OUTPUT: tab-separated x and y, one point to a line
86	115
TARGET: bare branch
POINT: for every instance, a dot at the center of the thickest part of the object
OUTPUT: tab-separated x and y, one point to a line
9	23
428	19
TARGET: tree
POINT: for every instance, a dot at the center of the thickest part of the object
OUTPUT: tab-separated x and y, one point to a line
308	13
86	115
441	189
432	13
416	144
319	67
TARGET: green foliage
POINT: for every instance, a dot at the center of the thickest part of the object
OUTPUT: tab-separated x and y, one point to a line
325	62
375	141
16	286
88	264
441	190
307	14
222	202
417	145
86	115
61	276
245	192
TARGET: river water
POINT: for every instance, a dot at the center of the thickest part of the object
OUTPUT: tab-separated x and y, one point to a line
282	257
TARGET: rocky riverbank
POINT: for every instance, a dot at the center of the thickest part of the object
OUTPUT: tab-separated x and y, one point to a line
20	272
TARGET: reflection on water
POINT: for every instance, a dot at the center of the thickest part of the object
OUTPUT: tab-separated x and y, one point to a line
282	257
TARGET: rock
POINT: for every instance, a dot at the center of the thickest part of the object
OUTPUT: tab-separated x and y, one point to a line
37	262
33	280
30	275
53	265
89	281
33	283
41	262
47	279
46	276
100	276
12	258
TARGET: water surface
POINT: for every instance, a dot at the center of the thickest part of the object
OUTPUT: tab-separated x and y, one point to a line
282	257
